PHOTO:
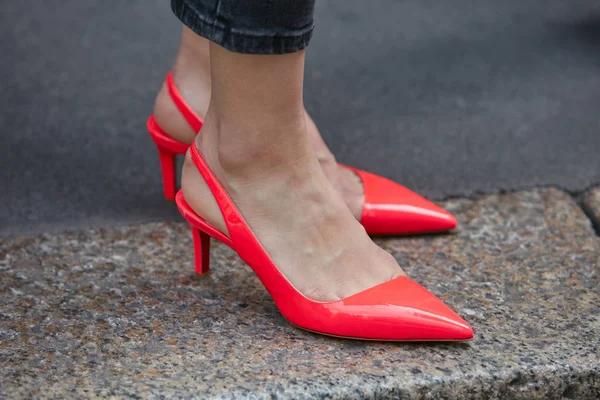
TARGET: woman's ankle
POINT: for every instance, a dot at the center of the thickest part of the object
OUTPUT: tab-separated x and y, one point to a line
247	148
247	165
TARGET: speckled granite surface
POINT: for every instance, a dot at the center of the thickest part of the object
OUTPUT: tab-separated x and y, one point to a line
591	202
119	312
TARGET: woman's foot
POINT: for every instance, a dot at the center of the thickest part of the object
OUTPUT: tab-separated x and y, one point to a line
191	72
255	140
300	220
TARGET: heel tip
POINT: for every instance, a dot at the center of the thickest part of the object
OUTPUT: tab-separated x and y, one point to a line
200	276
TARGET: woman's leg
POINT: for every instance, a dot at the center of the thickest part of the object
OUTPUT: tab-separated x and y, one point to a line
256	141
191	72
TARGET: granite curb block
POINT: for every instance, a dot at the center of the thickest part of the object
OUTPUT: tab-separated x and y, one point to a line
591	203
118	312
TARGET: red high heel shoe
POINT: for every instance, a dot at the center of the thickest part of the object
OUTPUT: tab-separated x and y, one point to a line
168	147
389	208
396	310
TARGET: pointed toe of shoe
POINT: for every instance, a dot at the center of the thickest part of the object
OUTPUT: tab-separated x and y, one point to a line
392	209
416	313
397	310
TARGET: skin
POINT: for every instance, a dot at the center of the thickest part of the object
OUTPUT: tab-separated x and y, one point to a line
256	140
191	72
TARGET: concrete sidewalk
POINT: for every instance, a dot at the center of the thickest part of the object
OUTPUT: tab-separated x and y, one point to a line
118	312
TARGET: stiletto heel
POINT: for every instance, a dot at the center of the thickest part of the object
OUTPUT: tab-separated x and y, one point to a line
168	147
396	310
201	250
167	167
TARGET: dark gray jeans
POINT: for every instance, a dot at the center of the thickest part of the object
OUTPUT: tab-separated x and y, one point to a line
250	26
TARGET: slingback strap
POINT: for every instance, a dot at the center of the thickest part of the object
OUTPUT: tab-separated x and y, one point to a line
191	117
241	237
234	221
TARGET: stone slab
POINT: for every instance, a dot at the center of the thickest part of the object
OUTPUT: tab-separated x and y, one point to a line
118	312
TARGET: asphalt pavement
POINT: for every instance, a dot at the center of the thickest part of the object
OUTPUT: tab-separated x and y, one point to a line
450	98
